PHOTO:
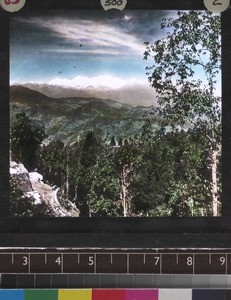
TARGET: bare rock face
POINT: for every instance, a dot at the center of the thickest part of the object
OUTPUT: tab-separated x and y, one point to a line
33	187
19	172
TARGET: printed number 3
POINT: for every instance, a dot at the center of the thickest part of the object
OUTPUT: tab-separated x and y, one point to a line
216	2
8	2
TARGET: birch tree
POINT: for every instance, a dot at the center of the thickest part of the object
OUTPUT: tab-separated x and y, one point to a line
185	73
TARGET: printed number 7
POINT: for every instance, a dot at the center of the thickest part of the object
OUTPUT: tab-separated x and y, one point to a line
216	2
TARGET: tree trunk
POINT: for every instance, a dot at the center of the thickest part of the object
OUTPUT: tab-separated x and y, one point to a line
124	195
214	183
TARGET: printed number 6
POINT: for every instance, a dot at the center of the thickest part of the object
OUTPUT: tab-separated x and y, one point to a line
216	2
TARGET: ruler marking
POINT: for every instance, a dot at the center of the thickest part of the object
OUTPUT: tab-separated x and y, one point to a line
128	263
193	264
128	255
62	258
29	256
226	263
95	263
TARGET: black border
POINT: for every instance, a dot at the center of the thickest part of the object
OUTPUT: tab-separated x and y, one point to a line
115	232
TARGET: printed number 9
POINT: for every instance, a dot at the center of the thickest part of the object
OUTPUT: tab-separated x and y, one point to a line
222	260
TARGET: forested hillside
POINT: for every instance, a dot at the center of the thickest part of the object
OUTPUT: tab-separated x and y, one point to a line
155	173
116	158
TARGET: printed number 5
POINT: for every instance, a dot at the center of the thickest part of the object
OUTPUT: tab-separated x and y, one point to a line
216	2
91	261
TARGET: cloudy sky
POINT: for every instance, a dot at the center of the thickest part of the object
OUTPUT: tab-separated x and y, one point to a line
63	45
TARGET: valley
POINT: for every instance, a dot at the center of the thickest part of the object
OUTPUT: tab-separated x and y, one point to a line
70	118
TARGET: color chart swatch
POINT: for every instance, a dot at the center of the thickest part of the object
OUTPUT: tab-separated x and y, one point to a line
117	294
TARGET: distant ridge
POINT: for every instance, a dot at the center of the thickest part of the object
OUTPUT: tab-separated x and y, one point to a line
70	118
132	94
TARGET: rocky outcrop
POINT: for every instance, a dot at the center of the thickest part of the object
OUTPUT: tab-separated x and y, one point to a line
33	187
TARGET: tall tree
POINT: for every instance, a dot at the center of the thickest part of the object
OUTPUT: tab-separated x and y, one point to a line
126	159
26	137
105	189
88	160
185	74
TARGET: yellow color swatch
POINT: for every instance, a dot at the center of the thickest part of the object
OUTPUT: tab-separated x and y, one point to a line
75	294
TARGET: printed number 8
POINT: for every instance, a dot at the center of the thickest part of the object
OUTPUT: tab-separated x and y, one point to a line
189	261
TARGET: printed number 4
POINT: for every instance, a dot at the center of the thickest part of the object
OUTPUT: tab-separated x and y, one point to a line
217	2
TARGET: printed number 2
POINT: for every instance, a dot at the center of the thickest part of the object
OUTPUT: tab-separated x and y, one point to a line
217	2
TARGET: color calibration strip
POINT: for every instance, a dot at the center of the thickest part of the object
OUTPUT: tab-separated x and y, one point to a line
117	294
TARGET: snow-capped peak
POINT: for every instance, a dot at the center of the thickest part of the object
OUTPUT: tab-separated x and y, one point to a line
102	82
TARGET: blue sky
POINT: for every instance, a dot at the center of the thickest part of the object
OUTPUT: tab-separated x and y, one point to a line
68	44
47	46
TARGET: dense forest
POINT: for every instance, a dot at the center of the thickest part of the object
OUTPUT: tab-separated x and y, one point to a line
174	170
165	173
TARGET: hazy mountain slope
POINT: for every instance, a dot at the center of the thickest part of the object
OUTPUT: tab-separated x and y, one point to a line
70	118
133	94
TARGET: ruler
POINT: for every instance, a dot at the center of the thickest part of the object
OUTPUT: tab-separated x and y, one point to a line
115	261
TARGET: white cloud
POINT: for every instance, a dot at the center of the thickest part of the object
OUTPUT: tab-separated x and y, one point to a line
80	51
93	33
127	18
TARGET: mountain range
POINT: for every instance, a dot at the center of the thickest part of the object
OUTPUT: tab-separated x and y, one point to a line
130	92
69	117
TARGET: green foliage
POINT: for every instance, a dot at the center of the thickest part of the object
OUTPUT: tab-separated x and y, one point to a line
105	189
22	206
51	160
192	46
26	136
169	180
88	159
